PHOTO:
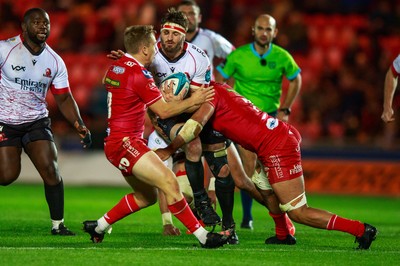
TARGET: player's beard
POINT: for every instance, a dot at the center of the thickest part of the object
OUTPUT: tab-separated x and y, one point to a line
191	28
34	37
263	44
172	49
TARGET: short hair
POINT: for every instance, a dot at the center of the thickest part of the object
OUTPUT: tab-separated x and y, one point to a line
136	36
188	3
29	12
176	17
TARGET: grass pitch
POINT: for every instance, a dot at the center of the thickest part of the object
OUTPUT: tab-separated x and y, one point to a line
25	237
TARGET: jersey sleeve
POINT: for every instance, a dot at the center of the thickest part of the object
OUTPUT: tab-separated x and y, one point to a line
60	82
291	67
396	66
222	46
203	71
146	87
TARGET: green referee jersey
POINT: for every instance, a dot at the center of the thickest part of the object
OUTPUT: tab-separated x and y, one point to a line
261	84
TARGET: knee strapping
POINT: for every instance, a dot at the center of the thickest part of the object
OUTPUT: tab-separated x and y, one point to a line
216	160
289	207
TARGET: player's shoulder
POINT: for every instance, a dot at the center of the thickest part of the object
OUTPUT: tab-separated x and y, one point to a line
279	50
53	53
207	32
10	42
195	50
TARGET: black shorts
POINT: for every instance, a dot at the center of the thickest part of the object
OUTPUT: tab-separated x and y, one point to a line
21	135
167	124
209	136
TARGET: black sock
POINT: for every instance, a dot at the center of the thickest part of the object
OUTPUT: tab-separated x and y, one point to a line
195	174
224	190
55	200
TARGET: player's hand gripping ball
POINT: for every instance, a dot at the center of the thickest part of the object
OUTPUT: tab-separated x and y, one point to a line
178	83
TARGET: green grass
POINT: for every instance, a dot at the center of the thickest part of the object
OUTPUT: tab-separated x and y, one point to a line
137	239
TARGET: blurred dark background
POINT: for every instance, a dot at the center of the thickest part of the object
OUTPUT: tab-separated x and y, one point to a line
343	47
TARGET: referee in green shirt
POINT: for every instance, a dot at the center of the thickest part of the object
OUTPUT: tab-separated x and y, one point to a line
258	69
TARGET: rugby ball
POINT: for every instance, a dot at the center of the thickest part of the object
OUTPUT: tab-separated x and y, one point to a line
179	82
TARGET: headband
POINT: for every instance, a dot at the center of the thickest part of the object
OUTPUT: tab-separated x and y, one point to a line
174	27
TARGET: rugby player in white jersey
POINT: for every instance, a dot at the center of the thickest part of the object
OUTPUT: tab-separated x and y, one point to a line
174	55
29	68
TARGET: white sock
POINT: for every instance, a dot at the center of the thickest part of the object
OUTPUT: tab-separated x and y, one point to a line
201	234
56	223
102	225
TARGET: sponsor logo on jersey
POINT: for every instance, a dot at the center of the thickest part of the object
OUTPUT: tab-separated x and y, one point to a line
130	63
161	75
34	61
18	68
197	49
296	169
147	73
172	69
112	82
47	73
272	123
31	85
272	65
118	70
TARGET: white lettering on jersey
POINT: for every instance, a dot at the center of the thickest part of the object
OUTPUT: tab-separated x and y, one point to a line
25	81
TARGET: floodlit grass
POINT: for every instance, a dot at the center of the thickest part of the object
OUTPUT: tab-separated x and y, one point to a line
25	237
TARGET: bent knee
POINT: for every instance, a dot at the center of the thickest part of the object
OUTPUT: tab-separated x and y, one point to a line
7	178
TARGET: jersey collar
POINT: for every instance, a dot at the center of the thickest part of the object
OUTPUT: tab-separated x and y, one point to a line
253	49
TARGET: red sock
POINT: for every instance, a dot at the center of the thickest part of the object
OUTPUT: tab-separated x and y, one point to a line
356	228
184	214
125	206
281	228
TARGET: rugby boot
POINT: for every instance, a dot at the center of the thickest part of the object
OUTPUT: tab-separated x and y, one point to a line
89	227
62	231
215	240
233	239
207	213
274	240
364	241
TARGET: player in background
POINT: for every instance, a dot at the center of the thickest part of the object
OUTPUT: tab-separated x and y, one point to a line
389	90
213	44
131	89
258	69
277	145
29	69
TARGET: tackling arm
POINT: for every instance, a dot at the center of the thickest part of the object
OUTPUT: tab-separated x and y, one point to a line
169	109
190	130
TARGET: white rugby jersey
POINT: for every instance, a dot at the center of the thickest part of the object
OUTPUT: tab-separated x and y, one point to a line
25	79
194	62
396	66
213	44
